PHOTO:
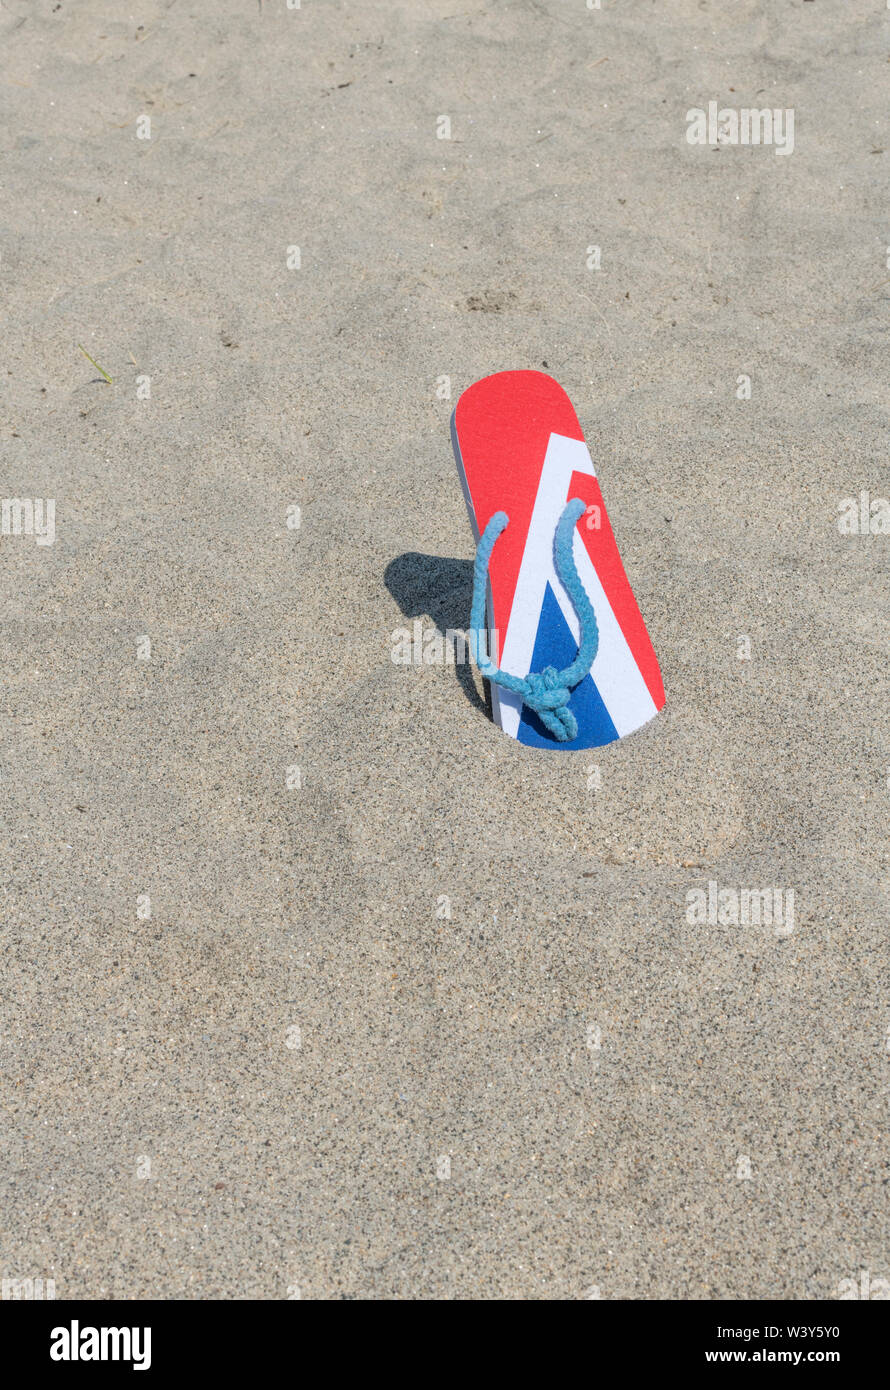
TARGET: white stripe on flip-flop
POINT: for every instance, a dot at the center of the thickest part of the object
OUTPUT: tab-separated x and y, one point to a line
617	675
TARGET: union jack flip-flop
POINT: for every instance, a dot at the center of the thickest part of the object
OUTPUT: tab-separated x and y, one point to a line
569	658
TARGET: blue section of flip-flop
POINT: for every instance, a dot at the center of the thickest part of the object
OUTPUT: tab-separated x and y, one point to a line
555	646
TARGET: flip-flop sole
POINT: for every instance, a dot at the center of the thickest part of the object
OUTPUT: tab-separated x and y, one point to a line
520	449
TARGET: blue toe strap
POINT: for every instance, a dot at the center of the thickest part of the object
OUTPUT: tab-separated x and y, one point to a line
546	692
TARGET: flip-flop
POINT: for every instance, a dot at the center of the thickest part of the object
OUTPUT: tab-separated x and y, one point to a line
570	661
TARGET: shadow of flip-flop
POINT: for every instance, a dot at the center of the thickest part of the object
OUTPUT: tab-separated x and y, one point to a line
442	589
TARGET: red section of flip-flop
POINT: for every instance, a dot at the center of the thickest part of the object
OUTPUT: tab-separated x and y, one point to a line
596	532
504	423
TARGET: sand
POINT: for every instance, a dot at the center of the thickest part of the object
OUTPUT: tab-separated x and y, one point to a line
245	1050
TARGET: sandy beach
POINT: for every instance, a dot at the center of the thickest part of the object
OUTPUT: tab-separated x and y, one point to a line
314	983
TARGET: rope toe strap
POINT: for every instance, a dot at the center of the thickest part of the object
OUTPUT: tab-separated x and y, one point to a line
545	692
